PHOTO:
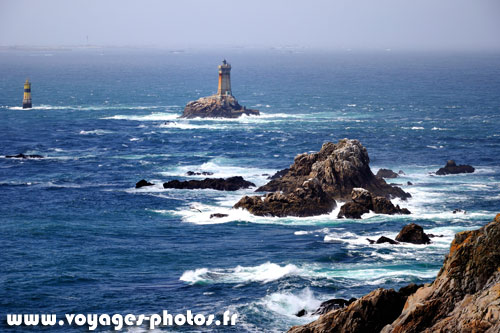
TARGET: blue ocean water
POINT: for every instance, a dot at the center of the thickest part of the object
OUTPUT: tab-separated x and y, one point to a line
77	237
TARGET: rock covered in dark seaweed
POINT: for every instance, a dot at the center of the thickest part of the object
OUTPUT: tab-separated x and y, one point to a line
452	168
221	184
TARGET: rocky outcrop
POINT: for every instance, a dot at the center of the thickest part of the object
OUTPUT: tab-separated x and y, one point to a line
221	184
216	106
336	169
382	240
306	200
363	202
452	168
23	156
142	183
339	168
413	233
386	173
464	297
367	314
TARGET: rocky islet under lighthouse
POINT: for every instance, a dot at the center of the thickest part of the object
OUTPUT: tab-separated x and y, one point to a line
221	105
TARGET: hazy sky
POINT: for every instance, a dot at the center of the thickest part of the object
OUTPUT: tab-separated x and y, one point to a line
334	24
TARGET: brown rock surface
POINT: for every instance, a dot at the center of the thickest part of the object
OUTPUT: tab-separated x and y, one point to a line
363	202
465	296
339	168
307	200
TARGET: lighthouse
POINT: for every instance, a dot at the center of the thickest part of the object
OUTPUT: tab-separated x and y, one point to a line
224	79
27	95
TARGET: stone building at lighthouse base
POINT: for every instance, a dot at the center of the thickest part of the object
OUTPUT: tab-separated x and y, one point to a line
221	105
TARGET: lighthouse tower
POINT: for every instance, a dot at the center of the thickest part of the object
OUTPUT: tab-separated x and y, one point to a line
27	95
224	79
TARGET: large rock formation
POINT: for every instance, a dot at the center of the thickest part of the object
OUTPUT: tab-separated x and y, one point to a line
465	296
363	202
336	169
413	233
339	168
452	168
216	106
221	184
306	200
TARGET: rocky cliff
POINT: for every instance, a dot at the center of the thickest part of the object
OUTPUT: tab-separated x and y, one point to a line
465	296
216	106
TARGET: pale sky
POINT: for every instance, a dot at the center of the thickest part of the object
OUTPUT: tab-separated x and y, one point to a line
317	24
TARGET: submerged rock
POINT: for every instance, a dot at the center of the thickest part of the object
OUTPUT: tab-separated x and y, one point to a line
301	313
23	156
413	233
452	168
142	183
386	173
363	202
218	215
216	106
221	184
203	173
307	200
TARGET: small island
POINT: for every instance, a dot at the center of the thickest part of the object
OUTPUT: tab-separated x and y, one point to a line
221	105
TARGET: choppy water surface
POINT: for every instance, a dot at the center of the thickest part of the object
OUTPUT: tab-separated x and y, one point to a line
76	236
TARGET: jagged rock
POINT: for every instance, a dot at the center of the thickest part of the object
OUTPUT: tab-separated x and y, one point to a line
307	200
363	202
386	173
332	304
204	173
142	183
384	239
367	314
218	215
216	106
465	297
413	233
339	168
221	184
452	168
23	156
301	313
279	174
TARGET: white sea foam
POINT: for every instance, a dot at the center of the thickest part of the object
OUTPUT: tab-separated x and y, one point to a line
264	273
288	304
417	128
96	132
156	116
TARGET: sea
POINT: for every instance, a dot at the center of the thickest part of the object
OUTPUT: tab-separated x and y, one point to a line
76	237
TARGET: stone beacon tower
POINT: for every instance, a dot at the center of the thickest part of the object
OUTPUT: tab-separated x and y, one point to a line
224	79
27	95
220	105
